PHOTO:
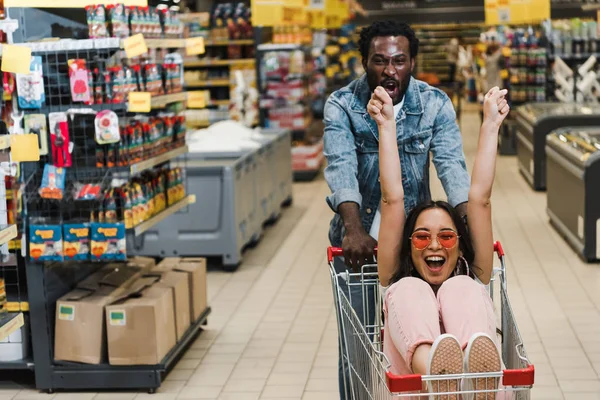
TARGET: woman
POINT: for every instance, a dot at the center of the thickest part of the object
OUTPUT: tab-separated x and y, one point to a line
437	304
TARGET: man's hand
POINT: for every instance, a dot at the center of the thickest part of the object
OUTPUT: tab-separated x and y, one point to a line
495	106
358	247
381	107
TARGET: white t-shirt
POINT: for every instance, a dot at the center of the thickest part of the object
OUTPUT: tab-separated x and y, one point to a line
374	232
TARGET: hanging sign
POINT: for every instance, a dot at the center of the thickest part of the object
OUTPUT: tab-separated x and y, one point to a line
69	3
516	11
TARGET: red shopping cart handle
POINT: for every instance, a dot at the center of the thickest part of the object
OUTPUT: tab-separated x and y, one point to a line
333	252
414	383
498	249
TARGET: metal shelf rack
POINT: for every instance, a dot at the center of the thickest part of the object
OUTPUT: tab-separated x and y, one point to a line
47	282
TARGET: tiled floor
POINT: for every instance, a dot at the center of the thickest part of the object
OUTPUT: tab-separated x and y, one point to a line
272	332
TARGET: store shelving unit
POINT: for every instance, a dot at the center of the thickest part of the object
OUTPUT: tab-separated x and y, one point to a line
433	38
214	72
272	86
46	282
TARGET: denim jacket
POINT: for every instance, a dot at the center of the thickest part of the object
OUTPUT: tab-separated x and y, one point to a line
426	123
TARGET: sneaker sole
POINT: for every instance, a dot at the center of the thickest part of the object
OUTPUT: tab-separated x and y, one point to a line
446	359
483	357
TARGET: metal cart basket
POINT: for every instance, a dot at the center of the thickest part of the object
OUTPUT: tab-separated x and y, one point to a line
361	341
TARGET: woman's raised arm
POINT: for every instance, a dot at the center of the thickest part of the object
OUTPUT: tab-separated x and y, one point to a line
380	107
479	209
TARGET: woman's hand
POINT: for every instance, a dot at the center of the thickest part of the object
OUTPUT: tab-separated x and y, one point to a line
495	106
380	107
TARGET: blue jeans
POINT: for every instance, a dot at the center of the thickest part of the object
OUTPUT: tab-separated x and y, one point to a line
355	295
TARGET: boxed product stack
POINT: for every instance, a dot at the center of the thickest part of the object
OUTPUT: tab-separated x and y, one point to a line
130	314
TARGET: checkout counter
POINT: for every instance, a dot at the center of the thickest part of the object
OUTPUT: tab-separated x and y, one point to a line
573	190
534	122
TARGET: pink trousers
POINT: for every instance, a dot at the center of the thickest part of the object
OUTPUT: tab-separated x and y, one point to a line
414	315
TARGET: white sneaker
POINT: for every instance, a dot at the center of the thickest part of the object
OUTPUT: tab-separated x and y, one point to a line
481	355
445	358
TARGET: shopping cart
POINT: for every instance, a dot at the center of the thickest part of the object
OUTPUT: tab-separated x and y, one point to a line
361	341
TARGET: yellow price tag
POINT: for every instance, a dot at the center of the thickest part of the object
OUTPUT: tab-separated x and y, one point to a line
135	46
194	46
197	99
16	59
343	40
24	147
140	102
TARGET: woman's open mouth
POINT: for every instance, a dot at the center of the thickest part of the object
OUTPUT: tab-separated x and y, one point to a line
435	263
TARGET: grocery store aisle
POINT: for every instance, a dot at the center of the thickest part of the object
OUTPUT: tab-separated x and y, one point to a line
272	332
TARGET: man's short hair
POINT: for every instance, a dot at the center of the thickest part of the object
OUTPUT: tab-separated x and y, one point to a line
387	28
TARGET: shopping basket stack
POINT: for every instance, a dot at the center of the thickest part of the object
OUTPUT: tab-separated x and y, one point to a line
369	375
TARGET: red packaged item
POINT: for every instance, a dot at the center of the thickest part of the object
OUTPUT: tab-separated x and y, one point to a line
79	78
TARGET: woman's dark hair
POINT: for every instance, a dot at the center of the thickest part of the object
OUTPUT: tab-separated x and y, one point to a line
387	28
407	267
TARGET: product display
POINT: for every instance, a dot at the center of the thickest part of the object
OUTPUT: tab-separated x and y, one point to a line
119	21
536	121
103	178
573	170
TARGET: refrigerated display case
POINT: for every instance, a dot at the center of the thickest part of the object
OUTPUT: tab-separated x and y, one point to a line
534	122
573	190
237	193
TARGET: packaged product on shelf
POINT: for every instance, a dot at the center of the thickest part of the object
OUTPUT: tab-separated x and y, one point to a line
96	20
107	127
60	140
53	182
80	334
140	325
118	20
108	241
88	191
76	241
79	77
3	302
36	124
45	242
153	79
136	21
30	87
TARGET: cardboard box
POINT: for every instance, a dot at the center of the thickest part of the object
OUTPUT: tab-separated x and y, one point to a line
168	263
146	263
141	324
80	334
196	267
196	270
179	283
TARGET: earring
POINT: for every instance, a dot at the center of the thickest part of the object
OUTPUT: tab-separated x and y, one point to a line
466	265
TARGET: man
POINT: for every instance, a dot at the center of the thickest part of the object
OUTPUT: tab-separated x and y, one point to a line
426	122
